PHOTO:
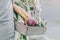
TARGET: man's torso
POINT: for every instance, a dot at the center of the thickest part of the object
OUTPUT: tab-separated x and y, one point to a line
6	20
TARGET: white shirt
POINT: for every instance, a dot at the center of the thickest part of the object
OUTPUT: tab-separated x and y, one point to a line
6	20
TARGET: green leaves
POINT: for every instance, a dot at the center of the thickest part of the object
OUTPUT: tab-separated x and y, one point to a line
23	37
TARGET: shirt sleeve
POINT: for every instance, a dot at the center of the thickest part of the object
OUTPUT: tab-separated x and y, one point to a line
12	2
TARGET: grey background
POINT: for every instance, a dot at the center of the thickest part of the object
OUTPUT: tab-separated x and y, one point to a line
51	12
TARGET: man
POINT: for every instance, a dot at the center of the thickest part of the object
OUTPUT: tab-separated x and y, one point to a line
7	31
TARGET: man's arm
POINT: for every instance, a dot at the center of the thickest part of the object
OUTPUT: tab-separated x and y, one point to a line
21	12
27	18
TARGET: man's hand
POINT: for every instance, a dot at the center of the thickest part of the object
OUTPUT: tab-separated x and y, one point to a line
27	18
